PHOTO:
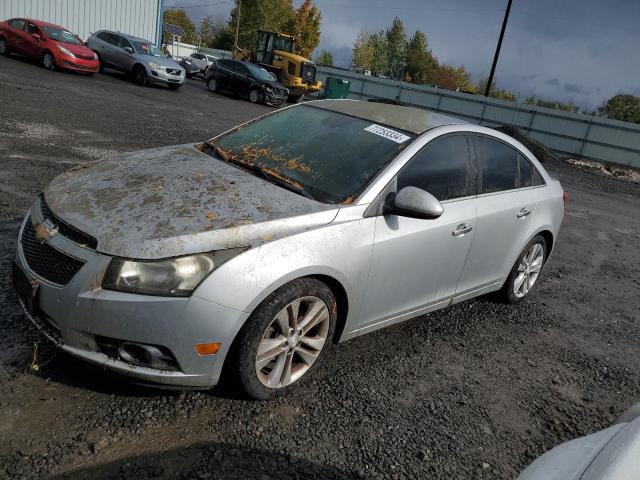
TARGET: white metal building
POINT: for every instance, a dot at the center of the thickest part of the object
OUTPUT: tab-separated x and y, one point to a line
142	18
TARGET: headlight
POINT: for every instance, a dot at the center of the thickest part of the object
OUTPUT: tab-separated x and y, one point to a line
176	277
156	66
65	51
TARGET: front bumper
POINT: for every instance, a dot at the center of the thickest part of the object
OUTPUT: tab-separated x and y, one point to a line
79	315
160	75
78	64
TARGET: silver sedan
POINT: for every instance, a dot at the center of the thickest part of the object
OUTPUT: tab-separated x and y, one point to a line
249	254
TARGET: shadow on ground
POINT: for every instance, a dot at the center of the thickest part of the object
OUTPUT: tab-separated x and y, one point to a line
209	460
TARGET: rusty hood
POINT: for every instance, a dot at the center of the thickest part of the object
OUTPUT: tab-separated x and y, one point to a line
177	200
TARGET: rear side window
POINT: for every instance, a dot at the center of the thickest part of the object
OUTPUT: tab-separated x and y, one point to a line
225	64
441	168
498	165
107	37
17	23
529	175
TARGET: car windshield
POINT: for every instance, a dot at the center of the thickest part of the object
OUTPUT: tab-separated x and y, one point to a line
60	35
321	154
258	72
146	48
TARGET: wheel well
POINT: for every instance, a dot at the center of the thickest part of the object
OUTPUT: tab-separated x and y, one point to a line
342	302
548	238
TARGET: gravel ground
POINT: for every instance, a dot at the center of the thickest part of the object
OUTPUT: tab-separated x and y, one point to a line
475	391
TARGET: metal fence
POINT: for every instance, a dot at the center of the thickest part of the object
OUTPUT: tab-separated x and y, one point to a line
571	133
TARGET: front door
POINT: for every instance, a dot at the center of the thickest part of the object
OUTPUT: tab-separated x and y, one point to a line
240	81
417	263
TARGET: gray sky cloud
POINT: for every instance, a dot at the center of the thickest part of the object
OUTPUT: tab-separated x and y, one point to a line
588	46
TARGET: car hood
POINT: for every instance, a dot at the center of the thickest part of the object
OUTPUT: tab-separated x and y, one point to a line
162	61
75	49
177	200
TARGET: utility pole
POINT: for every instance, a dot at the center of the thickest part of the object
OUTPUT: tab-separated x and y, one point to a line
495	57
235	43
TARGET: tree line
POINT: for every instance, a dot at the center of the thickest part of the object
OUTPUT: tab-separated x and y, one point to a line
303	23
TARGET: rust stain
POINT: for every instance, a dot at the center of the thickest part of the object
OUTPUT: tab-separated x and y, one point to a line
334	309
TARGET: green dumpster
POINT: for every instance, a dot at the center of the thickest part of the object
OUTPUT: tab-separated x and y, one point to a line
336	87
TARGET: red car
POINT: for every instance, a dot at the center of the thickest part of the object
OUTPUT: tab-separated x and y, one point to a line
53	46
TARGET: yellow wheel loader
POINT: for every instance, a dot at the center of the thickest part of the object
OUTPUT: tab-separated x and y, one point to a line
274	52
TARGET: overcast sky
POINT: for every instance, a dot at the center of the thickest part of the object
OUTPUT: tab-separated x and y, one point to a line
571	50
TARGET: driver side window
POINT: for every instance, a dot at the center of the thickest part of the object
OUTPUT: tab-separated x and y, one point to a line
443	168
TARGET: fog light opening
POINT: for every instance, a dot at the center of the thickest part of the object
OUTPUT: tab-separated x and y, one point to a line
146	356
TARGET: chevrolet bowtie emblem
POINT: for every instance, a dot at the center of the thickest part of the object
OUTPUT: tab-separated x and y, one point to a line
43	231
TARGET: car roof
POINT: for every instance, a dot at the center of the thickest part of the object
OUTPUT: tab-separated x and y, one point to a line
126	35
40	23
409	119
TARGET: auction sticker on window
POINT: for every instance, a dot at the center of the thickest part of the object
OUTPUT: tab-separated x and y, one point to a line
387	133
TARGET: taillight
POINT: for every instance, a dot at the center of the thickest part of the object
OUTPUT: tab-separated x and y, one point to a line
565	199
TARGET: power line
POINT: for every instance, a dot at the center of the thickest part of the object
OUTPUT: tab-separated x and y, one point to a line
394	7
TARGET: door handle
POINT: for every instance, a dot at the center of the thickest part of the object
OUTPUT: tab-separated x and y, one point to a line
461	230
523	213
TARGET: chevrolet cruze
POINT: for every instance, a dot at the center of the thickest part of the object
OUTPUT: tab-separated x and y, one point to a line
250	253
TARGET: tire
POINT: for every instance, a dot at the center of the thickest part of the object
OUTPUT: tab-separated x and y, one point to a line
140	75
4	47
254	95
174	86
48	61
294	358
525	272
212	84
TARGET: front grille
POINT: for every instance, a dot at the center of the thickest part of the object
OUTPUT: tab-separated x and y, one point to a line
309	72
174	71
64	228
86	57
44	260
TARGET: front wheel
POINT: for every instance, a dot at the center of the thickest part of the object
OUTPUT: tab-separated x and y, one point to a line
48	61
254	96
4	48
526	271
140	75
285	338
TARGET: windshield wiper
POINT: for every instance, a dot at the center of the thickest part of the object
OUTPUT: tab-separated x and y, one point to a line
261	171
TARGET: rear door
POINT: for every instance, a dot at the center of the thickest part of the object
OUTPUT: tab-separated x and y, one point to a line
507	200
105	46
416	263
16	35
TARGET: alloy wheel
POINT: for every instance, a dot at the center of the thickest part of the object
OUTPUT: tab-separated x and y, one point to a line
528	270
212	84
47	61
292	342
254	96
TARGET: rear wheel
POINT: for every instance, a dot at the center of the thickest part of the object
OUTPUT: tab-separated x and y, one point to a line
140	75
212	84
48	61
285	338
4	48
526	271
254	96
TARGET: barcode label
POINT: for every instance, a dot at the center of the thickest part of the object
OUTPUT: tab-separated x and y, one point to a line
387	133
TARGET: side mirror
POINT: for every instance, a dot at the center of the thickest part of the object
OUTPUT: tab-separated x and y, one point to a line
128	50
36	37
414	202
